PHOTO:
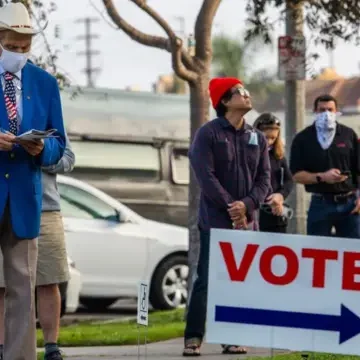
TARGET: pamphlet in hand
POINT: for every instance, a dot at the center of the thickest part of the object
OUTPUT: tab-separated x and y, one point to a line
37	135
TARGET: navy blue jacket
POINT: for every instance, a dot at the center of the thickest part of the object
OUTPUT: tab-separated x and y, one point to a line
229	165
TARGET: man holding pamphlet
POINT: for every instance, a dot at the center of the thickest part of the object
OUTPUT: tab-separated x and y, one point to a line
29	100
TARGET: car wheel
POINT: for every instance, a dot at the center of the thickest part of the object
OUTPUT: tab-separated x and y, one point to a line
97	304
169	284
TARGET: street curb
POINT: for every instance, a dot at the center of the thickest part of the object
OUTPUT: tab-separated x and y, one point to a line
114	320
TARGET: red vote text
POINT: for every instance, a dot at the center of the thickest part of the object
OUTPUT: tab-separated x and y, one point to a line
238	269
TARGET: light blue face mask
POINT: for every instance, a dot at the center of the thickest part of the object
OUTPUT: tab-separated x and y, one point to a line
325	124
326	120
12	61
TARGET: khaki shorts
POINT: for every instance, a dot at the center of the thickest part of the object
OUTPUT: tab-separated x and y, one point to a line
52	265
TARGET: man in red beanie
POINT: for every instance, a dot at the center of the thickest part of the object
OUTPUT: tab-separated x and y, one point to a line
231	163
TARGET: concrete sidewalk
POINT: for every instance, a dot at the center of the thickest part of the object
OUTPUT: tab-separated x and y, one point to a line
167	350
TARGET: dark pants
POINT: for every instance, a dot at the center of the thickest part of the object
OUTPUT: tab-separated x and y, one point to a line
274	229
271	223
196	316
324	214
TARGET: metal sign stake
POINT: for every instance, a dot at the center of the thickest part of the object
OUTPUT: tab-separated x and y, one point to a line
272	343
138	342
143	313
146	334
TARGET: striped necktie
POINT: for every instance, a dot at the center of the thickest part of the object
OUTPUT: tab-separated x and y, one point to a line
10	102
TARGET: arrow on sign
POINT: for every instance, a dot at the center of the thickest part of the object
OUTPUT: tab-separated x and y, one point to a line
347	323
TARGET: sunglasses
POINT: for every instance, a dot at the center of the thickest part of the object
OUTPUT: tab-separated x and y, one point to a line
241	91
270	121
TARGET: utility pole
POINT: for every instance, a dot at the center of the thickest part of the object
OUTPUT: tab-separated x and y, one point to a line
89	53
295	116
182	30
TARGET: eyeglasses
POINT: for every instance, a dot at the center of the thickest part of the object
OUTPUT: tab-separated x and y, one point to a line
241	91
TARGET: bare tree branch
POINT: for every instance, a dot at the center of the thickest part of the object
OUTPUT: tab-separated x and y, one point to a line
46	42
159	42
203	27
135	34
178	64
186	58
102	15
142	4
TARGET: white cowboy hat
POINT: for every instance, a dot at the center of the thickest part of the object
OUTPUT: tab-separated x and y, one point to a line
15	17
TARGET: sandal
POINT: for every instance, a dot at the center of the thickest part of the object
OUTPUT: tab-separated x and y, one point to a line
192	347
234	349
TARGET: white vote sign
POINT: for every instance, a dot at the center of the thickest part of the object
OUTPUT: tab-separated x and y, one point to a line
143	304
284	291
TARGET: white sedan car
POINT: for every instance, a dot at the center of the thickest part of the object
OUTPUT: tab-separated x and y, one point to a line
114	249
71	300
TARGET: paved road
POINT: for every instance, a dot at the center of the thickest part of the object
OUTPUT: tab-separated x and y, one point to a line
122	310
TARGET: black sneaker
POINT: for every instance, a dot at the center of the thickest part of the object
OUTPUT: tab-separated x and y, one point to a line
55	355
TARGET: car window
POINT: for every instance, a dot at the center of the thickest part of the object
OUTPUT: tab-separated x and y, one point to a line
88	205
70	210
180	166
123	160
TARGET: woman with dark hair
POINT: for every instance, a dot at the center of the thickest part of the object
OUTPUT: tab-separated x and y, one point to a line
271	213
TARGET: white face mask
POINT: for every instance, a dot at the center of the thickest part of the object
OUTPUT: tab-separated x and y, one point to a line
12	61
326	120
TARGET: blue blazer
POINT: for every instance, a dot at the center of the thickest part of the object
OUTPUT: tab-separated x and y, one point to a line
20	173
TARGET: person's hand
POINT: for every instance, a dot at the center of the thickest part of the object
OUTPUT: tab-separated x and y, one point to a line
357	207
6	141
241	223
237	210
33	147
276	202
333	176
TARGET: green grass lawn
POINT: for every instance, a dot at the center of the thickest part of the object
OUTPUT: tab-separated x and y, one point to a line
162	326
40	356
312	356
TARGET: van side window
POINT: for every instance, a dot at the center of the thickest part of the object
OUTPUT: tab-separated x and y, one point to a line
120	161
180	166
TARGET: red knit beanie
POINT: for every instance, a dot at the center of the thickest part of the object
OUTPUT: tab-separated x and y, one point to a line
219	86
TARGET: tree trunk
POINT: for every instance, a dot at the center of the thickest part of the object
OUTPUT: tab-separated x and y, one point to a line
199	114
295	120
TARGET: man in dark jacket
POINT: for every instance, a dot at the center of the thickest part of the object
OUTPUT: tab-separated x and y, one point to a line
325	158
231	163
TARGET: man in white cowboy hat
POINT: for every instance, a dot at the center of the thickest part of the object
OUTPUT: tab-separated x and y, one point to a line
29	99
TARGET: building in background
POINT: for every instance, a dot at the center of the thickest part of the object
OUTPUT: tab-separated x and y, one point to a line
132	88
111	112
345	90
170	84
